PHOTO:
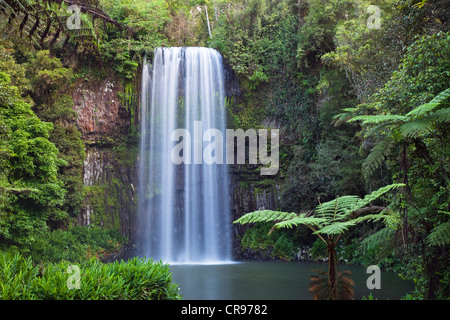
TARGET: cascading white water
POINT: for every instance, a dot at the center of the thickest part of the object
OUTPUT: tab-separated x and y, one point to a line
184	212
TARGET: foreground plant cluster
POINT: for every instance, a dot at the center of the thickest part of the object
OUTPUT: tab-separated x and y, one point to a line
136	279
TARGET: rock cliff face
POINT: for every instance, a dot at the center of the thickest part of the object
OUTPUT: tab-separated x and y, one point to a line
101	116
109	169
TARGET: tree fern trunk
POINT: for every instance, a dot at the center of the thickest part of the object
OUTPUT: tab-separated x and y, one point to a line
407	193
332	269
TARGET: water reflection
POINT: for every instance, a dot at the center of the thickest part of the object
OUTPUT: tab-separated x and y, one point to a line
271	281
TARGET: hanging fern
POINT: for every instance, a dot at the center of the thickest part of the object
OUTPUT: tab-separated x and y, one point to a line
45	22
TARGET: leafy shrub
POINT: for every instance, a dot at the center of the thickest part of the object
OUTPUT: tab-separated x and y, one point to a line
280	244
136	279
319	249
284	247
77	244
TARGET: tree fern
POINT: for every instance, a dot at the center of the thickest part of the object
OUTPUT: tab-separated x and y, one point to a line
416	123
329	221
332	217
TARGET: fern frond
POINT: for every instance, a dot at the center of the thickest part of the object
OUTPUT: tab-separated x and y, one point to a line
378	238
336	228
343	117
342	226
440	235
265	216
301	219
415	128
376	157
341	208
337	209
438	101
376	119
440	116
378	193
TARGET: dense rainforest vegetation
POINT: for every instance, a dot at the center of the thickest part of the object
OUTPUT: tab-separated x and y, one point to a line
359	91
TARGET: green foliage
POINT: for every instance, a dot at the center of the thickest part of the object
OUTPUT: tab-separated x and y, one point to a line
135	279
440	235
257	238
29	164
279	245
144	21
47	76
408	120
318	250
77	244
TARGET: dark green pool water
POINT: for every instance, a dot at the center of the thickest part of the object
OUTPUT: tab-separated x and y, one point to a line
272	281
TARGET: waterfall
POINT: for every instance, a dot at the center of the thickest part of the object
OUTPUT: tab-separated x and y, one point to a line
184	211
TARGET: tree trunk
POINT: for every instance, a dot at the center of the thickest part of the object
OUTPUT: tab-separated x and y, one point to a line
432	268
405	168
332	269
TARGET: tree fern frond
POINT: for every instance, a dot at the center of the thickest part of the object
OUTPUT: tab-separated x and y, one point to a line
440	235
415	128
336	208
336	228
264	216
440	116
370	217
378	193
344	117
339	227
376	157
378	239
341	208
376	119
439	100
301	219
